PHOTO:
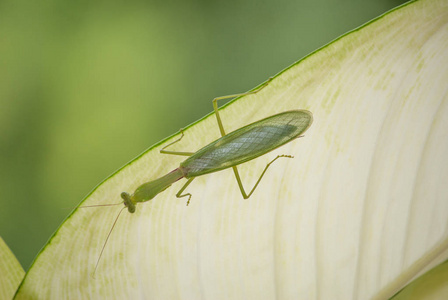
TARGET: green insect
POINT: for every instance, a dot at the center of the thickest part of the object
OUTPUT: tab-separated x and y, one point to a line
232	149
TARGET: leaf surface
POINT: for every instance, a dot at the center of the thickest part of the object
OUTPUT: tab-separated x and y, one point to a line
358	213
11	272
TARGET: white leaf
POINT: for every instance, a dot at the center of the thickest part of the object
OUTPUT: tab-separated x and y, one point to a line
359	212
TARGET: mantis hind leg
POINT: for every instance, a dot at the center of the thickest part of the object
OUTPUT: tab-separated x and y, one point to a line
240	184
179	193
163	151
215	103
223	133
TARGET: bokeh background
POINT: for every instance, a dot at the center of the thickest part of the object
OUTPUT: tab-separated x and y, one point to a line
86	86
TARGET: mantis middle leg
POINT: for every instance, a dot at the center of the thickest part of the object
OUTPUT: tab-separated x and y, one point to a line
179	193
176	152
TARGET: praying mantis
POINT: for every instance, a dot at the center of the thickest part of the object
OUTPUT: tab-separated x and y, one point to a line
232	149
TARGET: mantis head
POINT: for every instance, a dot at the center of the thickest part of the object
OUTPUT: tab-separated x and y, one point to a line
127	199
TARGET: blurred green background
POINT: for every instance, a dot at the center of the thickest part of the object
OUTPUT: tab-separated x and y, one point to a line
85	86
